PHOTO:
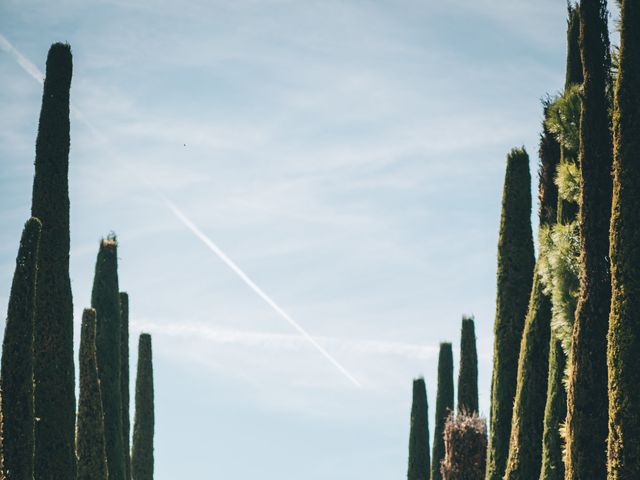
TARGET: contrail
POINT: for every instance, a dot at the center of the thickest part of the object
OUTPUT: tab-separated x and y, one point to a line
251	284
34	72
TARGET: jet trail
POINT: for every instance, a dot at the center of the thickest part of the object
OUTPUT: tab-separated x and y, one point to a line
251	284
34	72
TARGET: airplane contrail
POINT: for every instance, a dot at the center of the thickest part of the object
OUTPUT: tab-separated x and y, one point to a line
34	72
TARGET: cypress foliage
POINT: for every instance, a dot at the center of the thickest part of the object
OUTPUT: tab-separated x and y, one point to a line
468	375
105	298
54	375
465	438
444	407
573	74
587	400
419	461
555	412
515	274
124	380
525	448
624	324
143	425
90	443
17	359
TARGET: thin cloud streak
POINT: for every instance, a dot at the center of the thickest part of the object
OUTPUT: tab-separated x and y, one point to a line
37	75
245	278
283	341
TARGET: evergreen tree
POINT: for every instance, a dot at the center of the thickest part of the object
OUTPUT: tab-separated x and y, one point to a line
90	443
468	375
105	298
587	400
624	324
143	424
444	407
54	374
555	412
573	73
525	448
17	359
515	274
124	379
419	465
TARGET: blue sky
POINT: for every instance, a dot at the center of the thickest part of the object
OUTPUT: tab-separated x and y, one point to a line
347	155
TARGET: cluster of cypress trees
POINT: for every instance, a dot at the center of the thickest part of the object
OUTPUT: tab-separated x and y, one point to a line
422	466
573	402
42	436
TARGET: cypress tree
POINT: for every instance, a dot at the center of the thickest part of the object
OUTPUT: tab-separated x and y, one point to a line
419	465
54	375
527	424
515	274
587	400
573	73
444	407
124	379
17	359
468	375
143	424
105	298
555	412
90	443
624	324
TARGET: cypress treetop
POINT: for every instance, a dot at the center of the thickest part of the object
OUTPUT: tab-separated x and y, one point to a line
105	298
468	375
90	444
143	425
624	323
17	359
514	278
54	374
444	407
587	398
419	461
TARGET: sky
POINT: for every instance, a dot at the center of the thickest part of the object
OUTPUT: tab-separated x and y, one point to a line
346	156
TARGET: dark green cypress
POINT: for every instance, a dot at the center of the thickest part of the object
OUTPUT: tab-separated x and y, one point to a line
419	460
143	424
54	374
468	374
515	274
105	298
573	73
444	407
624	325
555	413
587	398
90	443
17	359
527	424
124	379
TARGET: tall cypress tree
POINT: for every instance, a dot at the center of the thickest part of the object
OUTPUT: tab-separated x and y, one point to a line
587	399
515	274
90	443
468	374
444	407
527	424
54	375
624	324
555	413
143	424
105	298
124	379
419	461
17	359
